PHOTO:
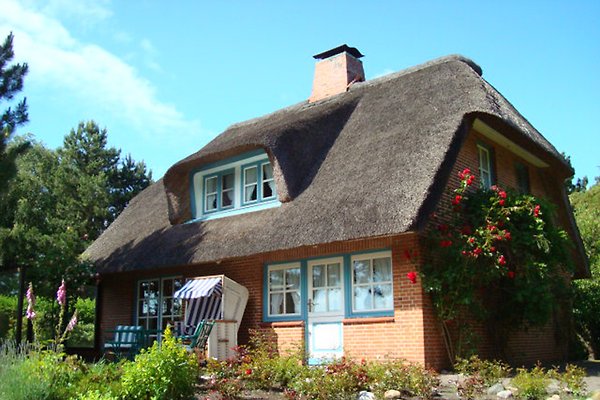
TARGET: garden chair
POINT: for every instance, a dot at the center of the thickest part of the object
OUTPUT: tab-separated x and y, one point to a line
199	338
126	340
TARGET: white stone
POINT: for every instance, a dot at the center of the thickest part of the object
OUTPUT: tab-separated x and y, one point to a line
495	389
555	397
392	394
364	395
505	394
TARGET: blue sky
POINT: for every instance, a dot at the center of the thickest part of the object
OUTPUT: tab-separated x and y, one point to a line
164	78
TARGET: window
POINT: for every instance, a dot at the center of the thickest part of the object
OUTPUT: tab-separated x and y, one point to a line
156	306
283	288
232	186
258	183
522	174
485	167
372	283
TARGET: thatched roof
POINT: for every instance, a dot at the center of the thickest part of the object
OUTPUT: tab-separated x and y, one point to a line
369	162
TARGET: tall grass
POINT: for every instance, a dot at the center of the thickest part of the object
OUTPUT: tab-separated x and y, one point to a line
16	379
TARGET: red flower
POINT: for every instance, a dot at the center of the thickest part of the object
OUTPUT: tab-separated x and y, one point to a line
471	240
464	253
457	199
536	210
412	276
248	371
493	249
470	180
502	260
445	243
507	235
511	274
477	251
464	173
501	202
502	194
491	228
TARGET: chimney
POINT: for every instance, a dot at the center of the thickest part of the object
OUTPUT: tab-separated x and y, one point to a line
335	71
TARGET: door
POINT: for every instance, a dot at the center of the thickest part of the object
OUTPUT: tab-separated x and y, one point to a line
325	309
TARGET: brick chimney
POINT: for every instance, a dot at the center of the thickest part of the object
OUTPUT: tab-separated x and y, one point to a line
335	71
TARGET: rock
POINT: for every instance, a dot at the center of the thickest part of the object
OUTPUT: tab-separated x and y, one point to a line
505	394
553	387
555	397
392	394
364	395
495	389
595	396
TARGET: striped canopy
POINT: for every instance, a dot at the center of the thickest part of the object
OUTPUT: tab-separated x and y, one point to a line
200	287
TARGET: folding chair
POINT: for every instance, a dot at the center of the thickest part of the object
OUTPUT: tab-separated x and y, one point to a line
127	339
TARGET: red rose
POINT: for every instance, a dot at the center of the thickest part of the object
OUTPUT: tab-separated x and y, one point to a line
412	276
501	202
507	235
511	274
471	240
446	243
248	371
502	260
470	180
463	174
502	194
457	199
493	249
477	251
536	210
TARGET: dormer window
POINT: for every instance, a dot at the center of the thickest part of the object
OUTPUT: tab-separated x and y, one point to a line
233	186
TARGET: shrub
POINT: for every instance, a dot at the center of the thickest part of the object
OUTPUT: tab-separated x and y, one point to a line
571	380
470	387
491	371
165	371
411	379
16	381
531	384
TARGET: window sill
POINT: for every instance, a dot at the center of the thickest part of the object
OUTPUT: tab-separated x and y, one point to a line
282	324
236	211
368	320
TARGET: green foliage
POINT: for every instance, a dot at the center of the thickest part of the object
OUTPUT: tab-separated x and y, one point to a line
11	83
471	387
499	258
586	302
165	371
531	384
16	381
408	378
491	371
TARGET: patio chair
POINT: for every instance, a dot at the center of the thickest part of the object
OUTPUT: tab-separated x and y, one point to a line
126	340
200	336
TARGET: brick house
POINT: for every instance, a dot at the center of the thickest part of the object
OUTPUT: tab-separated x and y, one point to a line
312	208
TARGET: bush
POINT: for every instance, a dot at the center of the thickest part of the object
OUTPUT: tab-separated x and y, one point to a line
531	384
408	378
16	380
571	380
165	371
491	371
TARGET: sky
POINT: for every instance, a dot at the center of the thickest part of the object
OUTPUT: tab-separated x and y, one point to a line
164	78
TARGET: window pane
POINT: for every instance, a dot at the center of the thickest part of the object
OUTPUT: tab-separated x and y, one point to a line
250	176
335	299
362	298
142	308
276	300
211	185
267	190
227	198
292	303
152	323
177	307
319	300
318	276
211	202
292	278
250	193
333	274
267	171
228	181
383	297
276	279
362	271
167	306
382	270
167	287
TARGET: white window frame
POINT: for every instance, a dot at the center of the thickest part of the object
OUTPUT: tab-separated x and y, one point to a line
370	257
485	168
144	320
267	180
284	291
247	185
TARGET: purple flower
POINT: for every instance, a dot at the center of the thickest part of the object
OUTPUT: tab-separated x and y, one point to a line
72	322
30	314
30	302
61	294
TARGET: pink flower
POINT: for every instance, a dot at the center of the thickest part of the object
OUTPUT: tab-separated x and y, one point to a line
502	260
536	211
30	313
61	294
30	302
412	277
72	322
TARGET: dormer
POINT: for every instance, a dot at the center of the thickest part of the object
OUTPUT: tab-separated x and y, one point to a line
232	186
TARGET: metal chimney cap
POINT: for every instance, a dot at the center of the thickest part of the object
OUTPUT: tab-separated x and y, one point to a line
353	51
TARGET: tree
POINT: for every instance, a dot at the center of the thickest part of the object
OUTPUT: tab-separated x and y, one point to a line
11	83
586	304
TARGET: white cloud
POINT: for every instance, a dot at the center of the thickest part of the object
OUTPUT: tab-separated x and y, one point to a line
88	72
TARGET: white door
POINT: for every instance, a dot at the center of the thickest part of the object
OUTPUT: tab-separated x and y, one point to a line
325	309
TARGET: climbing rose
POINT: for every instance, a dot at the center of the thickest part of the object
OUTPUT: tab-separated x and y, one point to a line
502	194
457	199
61	294
477	251
464	173
536	211
501	202
502	260
470	180
412	276
507	235
72	322
471	240
511	274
